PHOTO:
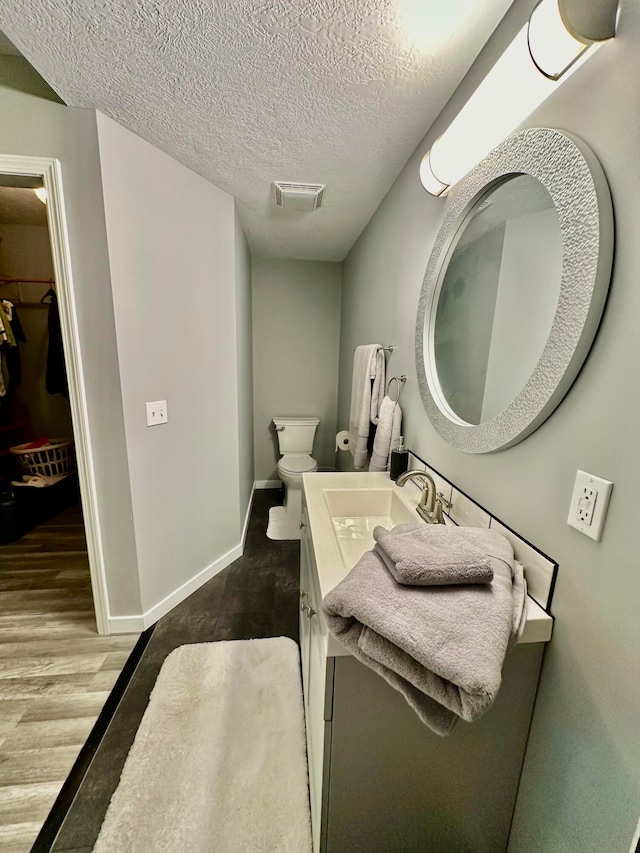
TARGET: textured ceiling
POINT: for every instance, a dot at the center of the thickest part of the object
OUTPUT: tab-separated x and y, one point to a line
21	207
337	92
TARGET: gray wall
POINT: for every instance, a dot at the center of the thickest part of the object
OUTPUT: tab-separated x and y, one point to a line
296	332
244	351
34	123
581	783
180	331
171	248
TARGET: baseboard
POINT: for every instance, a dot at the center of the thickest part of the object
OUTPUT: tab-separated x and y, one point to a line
245	527
190	586
268	484
126	624
129	624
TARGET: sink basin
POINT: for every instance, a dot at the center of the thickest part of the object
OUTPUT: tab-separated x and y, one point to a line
355	512
342	508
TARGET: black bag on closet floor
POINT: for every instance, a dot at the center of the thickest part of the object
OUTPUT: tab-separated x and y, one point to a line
24	507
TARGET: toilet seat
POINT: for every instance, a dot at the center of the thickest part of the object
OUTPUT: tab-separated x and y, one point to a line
297	463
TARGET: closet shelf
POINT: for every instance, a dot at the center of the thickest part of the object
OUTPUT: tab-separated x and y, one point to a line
19	301
4	280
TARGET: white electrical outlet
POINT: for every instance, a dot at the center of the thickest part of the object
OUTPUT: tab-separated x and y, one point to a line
589	504
157	412
587	498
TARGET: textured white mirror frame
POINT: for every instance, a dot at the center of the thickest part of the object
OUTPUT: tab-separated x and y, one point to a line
574	179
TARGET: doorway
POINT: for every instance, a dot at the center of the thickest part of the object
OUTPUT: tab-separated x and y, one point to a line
37	477
54	273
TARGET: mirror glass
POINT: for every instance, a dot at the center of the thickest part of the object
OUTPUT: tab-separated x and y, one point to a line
497	298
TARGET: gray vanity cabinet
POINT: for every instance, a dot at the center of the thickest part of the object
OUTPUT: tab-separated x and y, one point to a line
380	781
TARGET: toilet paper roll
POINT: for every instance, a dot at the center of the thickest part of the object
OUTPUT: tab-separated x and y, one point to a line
342	440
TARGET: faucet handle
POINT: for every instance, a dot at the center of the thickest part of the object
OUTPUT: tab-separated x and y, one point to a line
437	516
443	501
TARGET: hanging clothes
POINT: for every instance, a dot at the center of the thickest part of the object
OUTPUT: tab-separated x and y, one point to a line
4	340
10	327
14	365
4	376
56	375
6	332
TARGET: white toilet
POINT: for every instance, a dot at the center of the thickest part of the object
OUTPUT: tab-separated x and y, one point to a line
295	439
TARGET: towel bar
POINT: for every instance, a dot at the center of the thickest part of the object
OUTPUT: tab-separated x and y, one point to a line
390	348
399	380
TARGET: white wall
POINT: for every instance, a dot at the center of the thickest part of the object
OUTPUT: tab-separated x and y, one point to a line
464	321
244	350
34	123
172	255
580	788
296	333
26	251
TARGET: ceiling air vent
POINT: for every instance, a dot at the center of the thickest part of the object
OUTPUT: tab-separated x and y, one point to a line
302	197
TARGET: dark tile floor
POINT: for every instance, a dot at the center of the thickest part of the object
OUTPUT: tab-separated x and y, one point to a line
257	596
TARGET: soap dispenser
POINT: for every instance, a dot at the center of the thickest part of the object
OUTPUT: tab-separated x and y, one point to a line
399	460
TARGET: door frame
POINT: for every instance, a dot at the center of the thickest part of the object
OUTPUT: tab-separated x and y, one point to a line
50	171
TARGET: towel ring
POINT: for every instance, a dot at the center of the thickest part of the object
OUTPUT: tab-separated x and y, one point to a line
399	380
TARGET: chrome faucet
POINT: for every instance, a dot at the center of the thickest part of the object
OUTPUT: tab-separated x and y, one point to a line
431	503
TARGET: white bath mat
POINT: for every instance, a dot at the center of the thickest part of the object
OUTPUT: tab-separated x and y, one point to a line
280	525
219	761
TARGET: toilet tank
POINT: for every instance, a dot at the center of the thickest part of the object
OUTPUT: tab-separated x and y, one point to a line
295	435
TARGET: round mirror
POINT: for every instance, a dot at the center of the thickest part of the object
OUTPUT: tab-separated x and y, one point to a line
514	290
497	298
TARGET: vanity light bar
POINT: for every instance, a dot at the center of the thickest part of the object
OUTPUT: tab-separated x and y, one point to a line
558	37
552	48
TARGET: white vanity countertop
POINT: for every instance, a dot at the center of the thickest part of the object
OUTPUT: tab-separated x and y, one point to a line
332	566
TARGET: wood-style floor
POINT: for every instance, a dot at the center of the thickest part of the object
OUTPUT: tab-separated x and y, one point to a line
56	671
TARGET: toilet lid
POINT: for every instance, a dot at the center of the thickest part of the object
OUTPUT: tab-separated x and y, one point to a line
297	463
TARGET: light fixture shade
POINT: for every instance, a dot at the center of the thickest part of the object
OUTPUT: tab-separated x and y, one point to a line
429	181
529	70
507	95
41	193
553	48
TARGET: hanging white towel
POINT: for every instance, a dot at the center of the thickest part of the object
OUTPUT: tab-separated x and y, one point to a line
387	434
367	392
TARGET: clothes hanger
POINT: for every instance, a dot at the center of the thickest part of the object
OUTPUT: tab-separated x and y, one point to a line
50	294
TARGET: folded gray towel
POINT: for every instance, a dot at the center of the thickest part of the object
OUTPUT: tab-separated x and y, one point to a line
442	647
435	554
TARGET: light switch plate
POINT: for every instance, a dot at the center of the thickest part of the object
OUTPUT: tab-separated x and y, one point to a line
589	504
157	413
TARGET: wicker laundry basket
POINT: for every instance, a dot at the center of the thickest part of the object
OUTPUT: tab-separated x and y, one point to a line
51	460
